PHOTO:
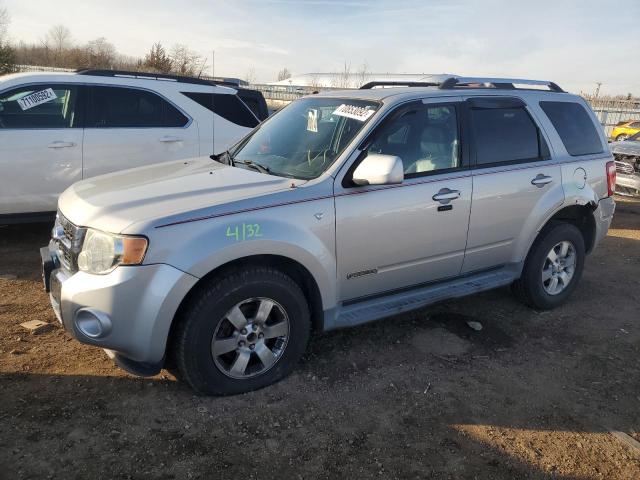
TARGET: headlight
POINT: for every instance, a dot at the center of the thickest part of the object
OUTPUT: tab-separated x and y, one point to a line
102	252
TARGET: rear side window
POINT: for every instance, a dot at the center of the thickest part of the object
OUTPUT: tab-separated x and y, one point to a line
575	127
255	101
117	107
39	106
228	106
504	135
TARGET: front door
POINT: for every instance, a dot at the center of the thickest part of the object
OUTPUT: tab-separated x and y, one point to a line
396	236
40	146
129	127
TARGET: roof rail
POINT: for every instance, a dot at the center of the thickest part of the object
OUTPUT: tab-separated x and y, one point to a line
384	83
502	83
156	76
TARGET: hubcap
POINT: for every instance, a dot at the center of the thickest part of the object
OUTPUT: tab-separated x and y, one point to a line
251	338
559	267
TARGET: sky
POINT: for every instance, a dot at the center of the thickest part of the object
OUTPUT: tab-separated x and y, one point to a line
574	43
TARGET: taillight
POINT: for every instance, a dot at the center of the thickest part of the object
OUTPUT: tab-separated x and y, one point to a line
611	178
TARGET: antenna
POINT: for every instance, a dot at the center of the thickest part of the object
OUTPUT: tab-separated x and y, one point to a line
213	104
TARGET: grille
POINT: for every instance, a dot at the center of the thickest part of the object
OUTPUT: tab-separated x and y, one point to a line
624	168
68	239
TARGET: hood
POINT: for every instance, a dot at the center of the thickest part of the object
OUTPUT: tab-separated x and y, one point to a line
114	201
628	147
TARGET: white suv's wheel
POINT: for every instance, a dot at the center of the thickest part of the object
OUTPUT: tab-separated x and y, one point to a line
241	332
552	268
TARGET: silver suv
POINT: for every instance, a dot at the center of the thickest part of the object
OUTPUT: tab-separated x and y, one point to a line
343	208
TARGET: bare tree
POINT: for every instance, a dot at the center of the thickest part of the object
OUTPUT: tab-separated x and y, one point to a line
185	61
4	23
58	38
7	53
362	75
100	53
157	59
342	79
284	74
250	76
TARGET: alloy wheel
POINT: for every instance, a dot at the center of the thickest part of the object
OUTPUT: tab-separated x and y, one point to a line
251	338
559	267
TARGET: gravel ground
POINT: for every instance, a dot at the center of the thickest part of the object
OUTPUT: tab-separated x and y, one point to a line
531	395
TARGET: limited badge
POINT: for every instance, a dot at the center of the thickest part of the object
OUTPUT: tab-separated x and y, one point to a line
36	98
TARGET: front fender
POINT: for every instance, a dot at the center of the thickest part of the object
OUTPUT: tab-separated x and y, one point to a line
302	232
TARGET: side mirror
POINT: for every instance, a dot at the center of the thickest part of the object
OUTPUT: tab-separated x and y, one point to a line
378	169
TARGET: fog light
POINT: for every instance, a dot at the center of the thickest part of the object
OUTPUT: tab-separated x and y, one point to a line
93	324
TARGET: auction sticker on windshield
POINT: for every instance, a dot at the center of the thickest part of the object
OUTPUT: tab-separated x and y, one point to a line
352	111
36	98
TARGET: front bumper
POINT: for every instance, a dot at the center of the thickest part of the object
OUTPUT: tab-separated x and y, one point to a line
128	311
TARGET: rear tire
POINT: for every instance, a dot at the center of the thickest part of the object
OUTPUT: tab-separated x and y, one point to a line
552	268
241	332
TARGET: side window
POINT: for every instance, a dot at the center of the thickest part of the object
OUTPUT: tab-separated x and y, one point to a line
635	125
425	138
504	135
228	106
575	127
119	107
39	106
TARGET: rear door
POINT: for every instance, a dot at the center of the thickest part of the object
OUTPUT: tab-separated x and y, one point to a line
131	127
391	237
515	182
40	146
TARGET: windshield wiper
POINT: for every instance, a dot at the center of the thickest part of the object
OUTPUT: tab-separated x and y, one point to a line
254	165
224	158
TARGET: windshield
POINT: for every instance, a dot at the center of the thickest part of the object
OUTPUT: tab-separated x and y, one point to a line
305	138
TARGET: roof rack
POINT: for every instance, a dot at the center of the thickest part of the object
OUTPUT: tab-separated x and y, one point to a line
157	76
383	83
502	83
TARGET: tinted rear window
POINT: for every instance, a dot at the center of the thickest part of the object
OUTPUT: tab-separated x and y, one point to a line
229	107
118	107
574	125
504	135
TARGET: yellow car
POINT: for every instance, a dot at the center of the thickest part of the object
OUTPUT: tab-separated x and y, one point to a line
625	129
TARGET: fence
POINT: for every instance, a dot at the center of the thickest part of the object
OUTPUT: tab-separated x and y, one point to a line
611	111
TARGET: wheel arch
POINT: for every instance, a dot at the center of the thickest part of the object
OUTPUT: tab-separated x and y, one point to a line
579	215
298	272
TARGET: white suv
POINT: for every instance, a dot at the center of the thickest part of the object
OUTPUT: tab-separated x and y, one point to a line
58	128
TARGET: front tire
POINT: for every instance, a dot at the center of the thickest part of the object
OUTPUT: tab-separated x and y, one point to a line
553	267
241	332
621	137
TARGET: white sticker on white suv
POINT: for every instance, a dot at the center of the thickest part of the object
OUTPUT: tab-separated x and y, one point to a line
37	98
352	111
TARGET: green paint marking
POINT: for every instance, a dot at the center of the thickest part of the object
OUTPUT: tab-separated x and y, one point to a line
243	231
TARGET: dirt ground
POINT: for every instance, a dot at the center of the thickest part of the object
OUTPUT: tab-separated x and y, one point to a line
531	395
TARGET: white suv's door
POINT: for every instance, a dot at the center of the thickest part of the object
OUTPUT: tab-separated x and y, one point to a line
130	127
515	182
40	146
395	236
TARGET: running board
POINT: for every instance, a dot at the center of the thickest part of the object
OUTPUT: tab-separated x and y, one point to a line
394	304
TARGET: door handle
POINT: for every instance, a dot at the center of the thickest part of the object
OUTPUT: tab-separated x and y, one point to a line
61	144
541	180
445	195
170	139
